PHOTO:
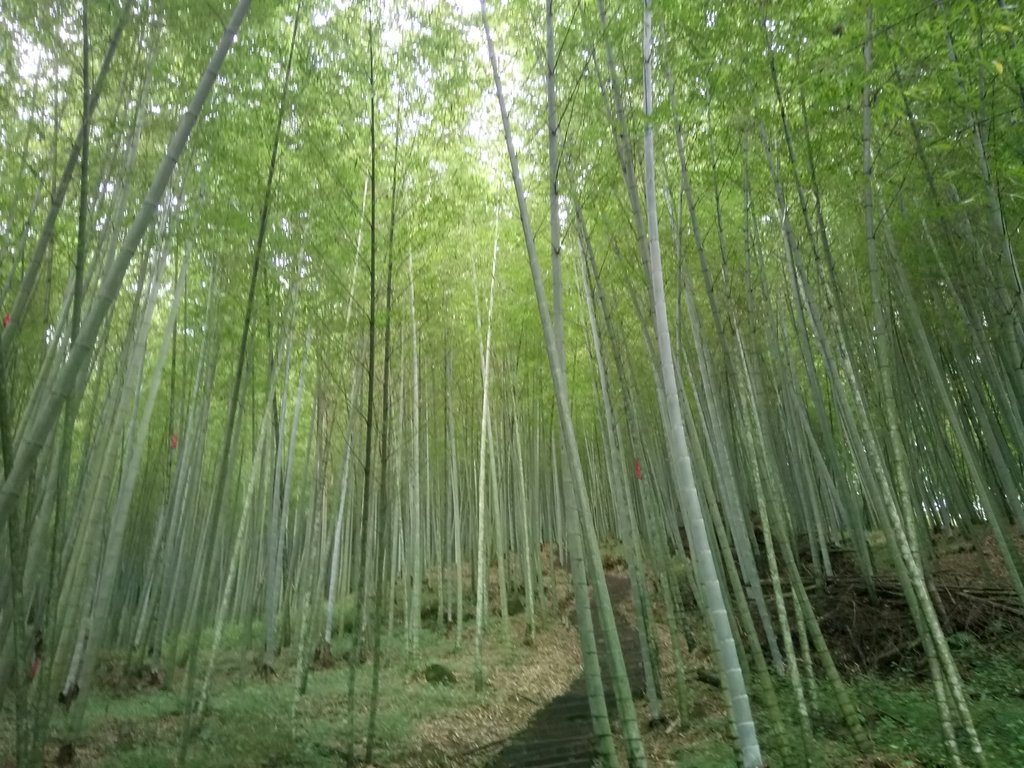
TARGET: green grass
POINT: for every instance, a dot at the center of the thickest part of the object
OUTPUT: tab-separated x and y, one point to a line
250	720
250	723
901	719
903	716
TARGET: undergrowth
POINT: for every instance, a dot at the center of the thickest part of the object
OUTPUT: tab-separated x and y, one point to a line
250	720
900	715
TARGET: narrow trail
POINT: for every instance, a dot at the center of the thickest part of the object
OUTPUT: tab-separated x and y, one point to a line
560	734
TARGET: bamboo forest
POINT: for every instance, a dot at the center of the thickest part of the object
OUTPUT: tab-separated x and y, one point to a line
511	384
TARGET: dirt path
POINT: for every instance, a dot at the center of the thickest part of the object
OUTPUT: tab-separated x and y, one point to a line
560	734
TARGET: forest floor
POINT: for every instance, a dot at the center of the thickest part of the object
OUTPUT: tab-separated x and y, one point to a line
257	722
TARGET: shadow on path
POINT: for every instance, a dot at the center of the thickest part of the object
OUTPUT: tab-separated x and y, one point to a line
560	734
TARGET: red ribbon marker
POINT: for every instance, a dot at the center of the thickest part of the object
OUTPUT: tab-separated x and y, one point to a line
7	319
174	442
636	468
